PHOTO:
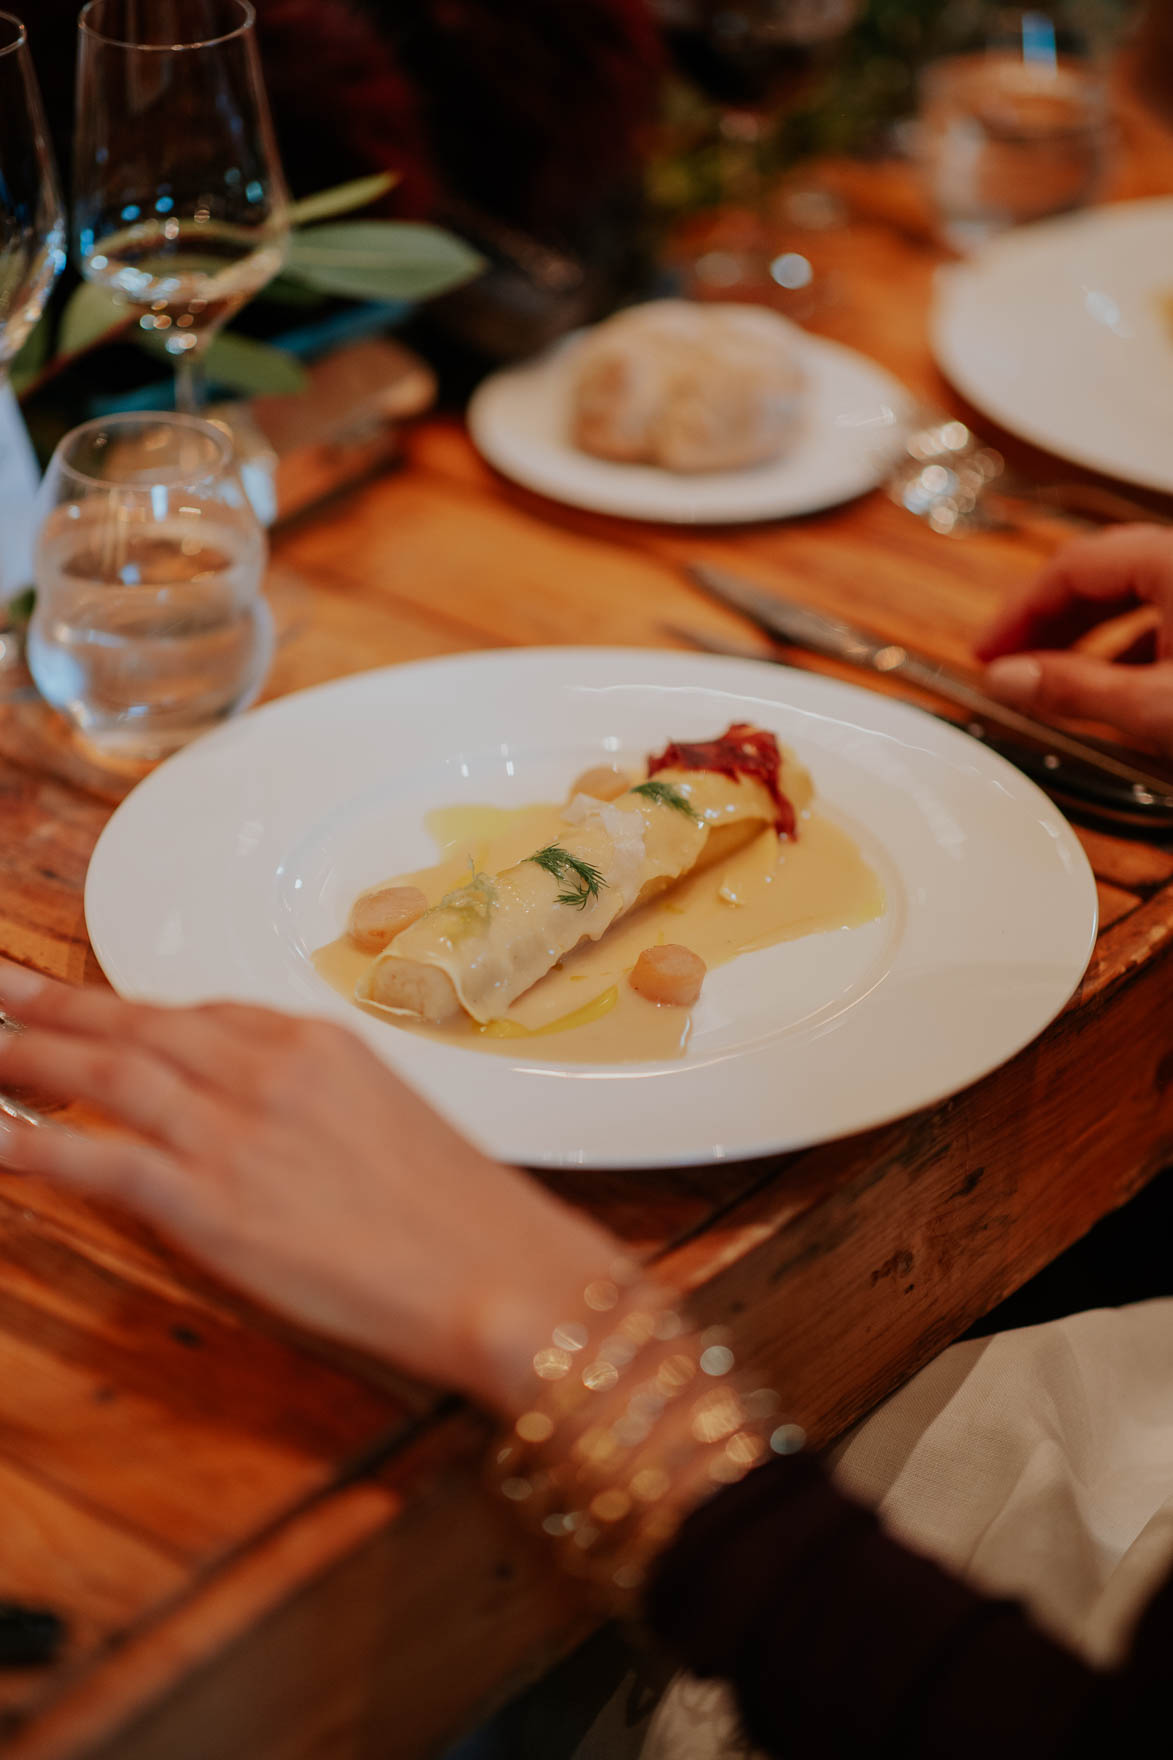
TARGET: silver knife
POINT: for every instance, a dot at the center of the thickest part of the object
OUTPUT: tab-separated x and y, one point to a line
1115	784
16	1108
1080	791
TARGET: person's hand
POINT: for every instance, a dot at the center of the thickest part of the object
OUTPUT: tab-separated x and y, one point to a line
285	1156
1086	583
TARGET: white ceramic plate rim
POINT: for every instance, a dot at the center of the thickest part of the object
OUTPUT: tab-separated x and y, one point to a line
178	837
963	287
846	387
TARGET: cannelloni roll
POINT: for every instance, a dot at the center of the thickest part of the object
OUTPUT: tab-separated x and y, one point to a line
489	940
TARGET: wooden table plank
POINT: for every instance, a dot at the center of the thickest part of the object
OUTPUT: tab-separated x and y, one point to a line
97	1576
1115	903
268	1657
1140	867
184	1427
144	1431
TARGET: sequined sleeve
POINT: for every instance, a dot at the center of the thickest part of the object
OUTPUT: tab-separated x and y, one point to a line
838	1641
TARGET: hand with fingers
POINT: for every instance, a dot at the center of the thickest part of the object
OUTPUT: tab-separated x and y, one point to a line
285	1156
1088	582
288	1159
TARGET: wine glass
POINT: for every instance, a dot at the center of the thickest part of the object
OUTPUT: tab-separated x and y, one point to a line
751	57
150	625
180	206
32	254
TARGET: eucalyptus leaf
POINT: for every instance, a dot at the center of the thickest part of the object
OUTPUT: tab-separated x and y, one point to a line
238	363
381	259
343	198
284	291
20	609
90	315
29	360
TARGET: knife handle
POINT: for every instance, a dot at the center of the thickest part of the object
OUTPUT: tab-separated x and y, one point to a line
1079	789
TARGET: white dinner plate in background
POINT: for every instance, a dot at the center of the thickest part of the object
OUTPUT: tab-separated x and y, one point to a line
1062	332
854	427
222	872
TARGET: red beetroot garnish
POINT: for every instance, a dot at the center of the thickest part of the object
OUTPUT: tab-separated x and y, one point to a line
743	750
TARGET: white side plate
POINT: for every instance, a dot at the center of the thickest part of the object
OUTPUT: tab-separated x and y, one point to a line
854	429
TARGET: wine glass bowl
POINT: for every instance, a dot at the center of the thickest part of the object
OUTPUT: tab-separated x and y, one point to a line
180	206
751	59
150	625
751	56
32	255
32	221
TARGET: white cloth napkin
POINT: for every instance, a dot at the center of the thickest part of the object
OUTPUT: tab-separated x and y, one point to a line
1036	1464
19	478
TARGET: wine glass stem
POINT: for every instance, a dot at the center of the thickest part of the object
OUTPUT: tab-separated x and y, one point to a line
748	187
189	382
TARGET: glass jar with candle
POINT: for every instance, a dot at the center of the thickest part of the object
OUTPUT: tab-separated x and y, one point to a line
1014	130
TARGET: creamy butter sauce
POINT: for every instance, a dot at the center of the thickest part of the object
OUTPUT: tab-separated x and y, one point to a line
585	1011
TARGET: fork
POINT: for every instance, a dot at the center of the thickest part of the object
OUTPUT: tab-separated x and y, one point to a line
957	483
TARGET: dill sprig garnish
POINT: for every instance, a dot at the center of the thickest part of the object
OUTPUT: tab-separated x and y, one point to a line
562	865
473	902
666	794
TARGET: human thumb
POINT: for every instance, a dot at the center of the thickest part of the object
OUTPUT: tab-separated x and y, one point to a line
1136	699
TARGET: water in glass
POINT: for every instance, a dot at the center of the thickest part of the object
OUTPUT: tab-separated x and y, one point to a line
1014	131
149	626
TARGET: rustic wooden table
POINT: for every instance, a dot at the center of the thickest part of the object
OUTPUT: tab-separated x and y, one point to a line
265	1550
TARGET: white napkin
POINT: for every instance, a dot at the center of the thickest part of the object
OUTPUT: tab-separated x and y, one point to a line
19	479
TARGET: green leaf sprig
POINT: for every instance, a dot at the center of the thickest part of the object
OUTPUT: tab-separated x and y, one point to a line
342	198
565	867
379	259
472	903
666	794
354	259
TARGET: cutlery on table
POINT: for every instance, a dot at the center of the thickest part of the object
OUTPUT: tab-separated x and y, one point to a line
1107	780
952	480
8	1106
17	1109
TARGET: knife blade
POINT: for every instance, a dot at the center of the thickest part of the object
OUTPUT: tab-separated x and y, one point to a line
1118	784
1086	794
10	1107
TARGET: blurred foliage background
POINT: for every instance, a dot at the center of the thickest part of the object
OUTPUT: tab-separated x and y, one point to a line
355	65
874	82
856	107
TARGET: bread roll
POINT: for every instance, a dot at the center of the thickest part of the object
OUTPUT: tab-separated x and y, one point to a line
690	388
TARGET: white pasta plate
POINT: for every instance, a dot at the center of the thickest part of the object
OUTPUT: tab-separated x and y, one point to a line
1062	332
221	872
853	431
